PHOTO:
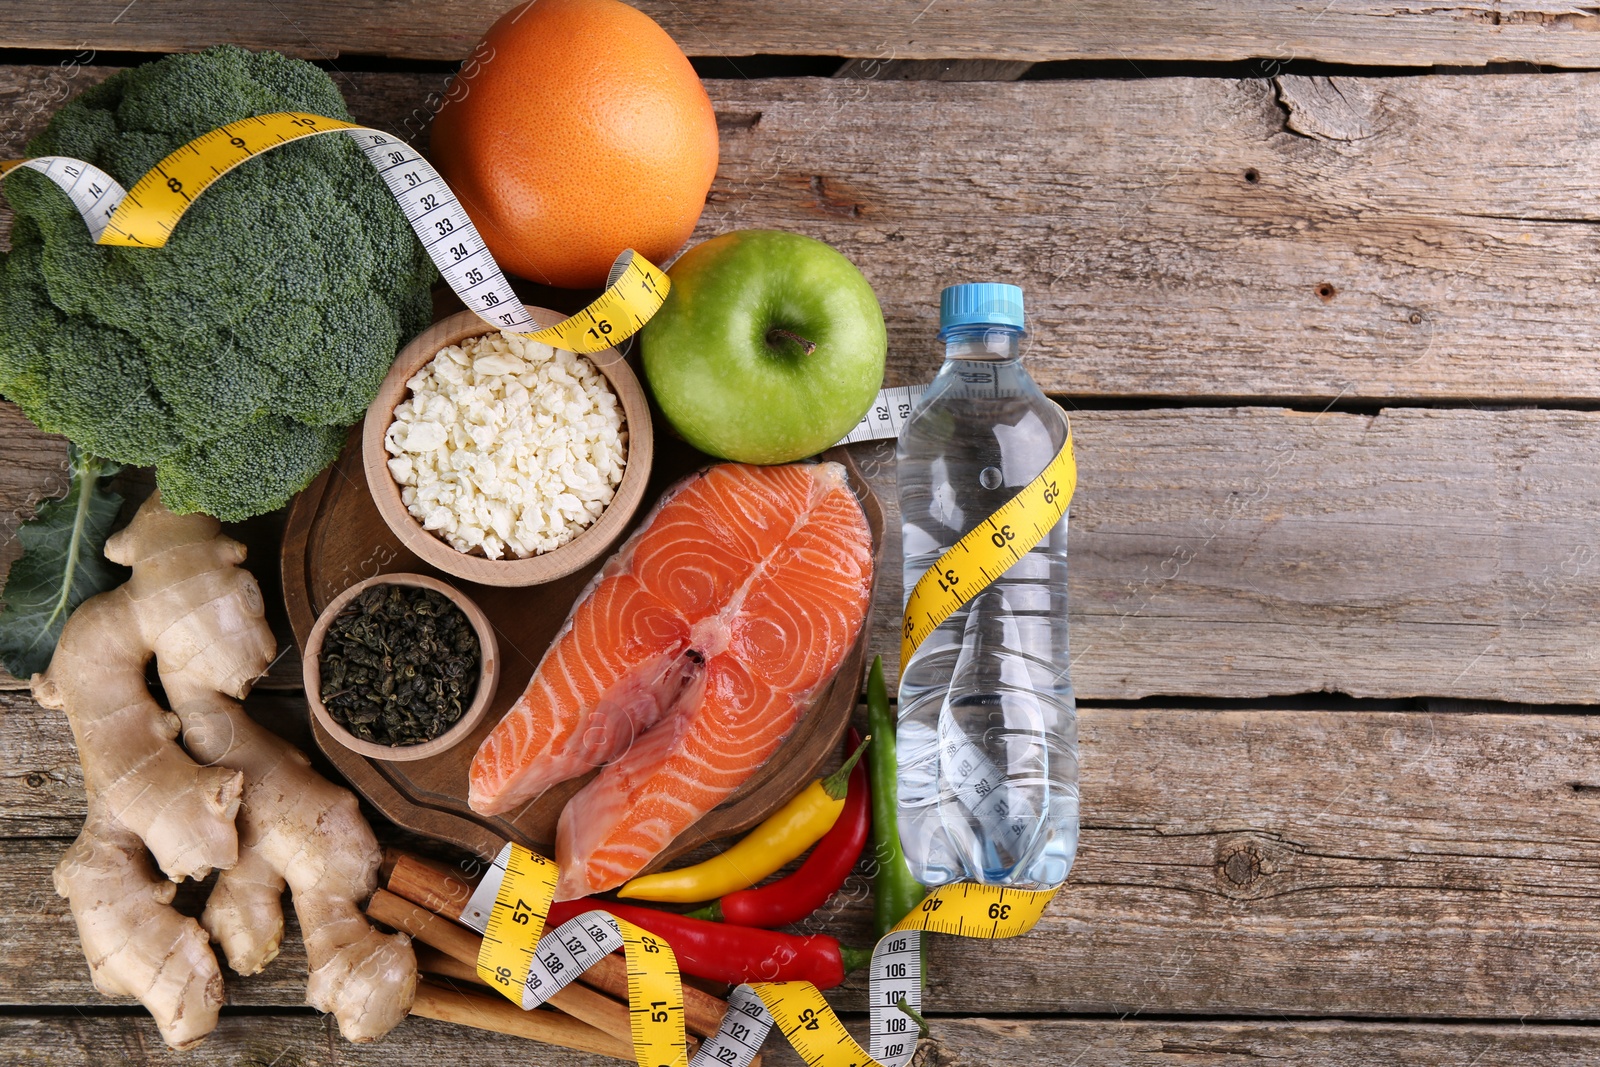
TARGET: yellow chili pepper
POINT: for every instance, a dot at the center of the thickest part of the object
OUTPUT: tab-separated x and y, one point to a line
785	834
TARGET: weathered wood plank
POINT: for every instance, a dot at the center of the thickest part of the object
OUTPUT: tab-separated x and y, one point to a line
41	784
1256	552
1278	238
1372	32
307	1041
39	940
943	70
1368	238
1251	552
1308	863
36	468
1247	862
1257	862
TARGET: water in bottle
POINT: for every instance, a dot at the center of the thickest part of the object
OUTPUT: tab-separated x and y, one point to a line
988	735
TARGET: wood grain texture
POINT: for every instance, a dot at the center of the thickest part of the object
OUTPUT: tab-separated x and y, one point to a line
1261	551
941	70
39	940
1332	863
1232	863
41	784
36	468
307	1041
1251	552
1370	32
1290	238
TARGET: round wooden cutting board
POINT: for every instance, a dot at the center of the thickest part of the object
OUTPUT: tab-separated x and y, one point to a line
335	537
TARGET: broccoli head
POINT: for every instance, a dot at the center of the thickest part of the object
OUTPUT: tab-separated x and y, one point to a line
233	359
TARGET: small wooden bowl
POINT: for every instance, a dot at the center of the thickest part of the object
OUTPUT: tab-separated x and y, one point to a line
547	566
488	672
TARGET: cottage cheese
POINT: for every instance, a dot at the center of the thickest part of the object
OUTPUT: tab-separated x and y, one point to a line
506	446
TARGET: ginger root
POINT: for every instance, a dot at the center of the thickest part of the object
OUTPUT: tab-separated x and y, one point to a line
234	797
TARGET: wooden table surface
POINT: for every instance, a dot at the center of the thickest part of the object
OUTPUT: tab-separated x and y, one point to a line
1316	281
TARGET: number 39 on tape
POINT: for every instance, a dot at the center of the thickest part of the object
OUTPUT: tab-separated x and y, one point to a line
964	910
146	216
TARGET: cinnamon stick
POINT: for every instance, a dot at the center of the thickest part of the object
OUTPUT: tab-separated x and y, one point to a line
577	1000
440	889
490	1011
432	961
443	891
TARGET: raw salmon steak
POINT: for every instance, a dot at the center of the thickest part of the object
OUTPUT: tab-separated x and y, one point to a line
685	664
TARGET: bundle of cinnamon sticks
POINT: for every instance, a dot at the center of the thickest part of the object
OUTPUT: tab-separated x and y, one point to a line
425	899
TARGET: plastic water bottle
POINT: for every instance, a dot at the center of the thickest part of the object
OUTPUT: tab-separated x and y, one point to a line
988	729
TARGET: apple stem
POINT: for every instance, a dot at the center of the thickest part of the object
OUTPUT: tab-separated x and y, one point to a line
788	335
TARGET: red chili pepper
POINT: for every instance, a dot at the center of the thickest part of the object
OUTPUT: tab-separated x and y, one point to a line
793	898
731	954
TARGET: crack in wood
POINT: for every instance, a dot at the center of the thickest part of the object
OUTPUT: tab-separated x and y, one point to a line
1318	108
738	121
831	202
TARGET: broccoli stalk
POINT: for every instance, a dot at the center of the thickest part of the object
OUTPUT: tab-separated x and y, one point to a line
234	359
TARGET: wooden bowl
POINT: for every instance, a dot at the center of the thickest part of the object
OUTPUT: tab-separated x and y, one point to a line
333	535
488	672
534	570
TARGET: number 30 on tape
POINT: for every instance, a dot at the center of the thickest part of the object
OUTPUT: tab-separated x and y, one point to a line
146	215
986	551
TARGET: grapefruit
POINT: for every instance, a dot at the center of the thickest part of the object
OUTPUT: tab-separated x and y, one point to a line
578	130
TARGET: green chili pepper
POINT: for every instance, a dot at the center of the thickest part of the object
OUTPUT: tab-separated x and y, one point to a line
895	892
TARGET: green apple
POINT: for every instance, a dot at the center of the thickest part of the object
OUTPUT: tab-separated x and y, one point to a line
769	347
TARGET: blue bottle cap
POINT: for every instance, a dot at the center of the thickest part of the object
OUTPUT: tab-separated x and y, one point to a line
980	304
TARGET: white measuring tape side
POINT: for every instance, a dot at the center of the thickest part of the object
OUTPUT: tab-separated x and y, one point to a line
896	979
437	217
575	945
445	230
95	194
798	1009
887	415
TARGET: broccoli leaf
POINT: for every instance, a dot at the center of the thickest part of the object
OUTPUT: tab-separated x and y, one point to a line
61	566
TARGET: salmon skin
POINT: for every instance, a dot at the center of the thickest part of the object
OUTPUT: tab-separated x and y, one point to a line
685	663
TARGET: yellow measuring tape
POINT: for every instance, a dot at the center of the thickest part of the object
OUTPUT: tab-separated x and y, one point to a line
964	910
146	216
988	550
798	1009
517	921
528	964
518	956
510	958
